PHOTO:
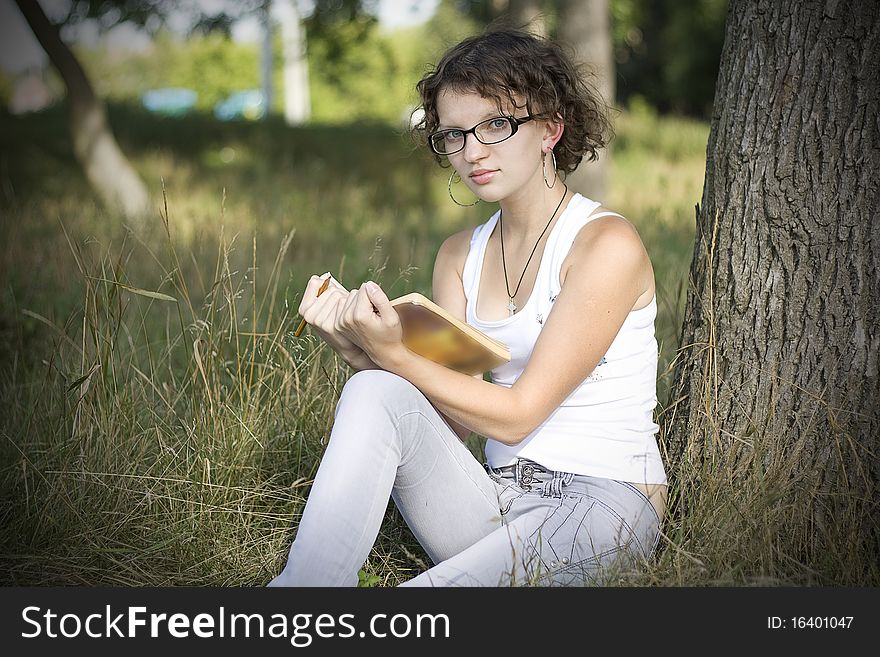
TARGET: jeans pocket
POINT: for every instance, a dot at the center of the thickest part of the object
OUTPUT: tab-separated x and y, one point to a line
644	497
578	542
510	494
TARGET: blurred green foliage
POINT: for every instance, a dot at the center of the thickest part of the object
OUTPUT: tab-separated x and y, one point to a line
667	54
212	65
667	51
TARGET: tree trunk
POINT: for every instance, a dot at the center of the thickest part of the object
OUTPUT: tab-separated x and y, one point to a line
584	25
266	59
526	15
777	376
297	103
106	168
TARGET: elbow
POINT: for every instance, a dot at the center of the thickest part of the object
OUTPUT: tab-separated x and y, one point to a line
514	436
522	426
524	432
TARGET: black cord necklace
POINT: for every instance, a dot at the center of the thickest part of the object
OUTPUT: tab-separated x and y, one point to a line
511	306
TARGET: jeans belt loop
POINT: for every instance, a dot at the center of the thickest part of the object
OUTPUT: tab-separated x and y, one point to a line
553	488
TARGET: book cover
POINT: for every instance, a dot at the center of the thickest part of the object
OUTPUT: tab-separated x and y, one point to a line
434	333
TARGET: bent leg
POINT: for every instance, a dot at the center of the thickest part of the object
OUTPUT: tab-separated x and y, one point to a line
388	438
576	539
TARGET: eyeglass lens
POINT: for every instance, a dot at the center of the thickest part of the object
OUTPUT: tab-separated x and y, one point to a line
490	131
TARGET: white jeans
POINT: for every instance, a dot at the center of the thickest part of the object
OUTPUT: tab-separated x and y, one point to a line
481	527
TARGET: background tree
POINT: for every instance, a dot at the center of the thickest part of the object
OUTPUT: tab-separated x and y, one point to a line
527	13
584	25
777	381
297	98
105	166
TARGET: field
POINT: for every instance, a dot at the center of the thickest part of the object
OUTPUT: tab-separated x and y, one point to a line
160	423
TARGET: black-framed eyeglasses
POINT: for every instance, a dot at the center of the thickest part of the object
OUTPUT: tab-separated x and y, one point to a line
490	131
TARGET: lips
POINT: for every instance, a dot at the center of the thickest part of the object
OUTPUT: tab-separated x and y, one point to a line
482	176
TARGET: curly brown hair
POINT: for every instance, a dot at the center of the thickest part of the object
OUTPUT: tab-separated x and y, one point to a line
506	64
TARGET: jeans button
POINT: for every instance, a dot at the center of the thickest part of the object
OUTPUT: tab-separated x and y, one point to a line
553	564
565	560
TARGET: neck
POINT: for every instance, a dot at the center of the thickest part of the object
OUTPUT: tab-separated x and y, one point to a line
526	215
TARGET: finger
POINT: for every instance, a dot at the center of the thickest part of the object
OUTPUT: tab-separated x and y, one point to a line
363	307
346	310
332	298
379	300
311	292
315	308
326	317
337	285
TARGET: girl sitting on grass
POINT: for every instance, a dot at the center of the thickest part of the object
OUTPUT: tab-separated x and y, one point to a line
573	486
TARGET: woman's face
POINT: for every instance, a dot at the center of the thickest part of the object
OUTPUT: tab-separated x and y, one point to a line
495	172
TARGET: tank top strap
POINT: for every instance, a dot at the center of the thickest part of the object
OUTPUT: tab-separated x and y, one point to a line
569	232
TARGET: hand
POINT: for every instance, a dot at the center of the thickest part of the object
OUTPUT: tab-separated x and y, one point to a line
369	321
321	313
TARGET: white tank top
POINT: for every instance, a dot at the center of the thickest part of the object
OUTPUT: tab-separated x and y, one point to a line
605	427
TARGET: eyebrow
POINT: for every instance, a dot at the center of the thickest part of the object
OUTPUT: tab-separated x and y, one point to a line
488	115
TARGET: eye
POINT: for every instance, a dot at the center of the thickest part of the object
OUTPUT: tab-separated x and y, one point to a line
453	134
498	124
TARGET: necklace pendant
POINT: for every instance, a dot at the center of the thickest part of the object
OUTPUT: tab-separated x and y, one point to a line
511	307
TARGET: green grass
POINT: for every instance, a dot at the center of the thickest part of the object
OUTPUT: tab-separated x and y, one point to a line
172	442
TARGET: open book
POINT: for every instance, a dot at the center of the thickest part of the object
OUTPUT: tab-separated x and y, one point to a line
432	332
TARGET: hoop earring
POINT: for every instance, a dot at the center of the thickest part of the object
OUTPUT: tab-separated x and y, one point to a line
544	169
449	189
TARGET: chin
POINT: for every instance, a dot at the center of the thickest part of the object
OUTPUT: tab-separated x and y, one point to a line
487	194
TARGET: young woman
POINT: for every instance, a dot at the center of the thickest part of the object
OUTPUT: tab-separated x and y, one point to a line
573	485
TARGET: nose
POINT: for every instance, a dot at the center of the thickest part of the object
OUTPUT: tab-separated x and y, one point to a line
474	150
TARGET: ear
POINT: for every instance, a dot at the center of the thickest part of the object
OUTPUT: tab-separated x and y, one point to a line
553	130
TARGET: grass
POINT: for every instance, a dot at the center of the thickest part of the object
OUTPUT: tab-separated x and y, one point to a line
161	425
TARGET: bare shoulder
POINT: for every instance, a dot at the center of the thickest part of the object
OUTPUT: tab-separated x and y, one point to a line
614	240
454	249
447	288
611	230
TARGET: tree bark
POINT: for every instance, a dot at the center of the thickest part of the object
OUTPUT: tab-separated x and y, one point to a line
106	167
777	374
585	26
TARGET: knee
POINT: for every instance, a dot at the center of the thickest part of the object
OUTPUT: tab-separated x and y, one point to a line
377	389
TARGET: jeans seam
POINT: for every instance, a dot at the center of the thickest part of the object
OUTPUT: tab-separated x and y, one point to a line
576	566
571	512
644	497
370	512
629	527
398	418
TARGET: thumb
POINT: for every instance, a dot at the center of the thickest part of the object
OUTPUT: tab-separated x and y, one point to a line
376	295
379	299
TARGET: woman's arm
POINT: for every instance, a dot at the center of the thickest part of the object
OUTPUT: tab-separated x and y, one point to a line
609	270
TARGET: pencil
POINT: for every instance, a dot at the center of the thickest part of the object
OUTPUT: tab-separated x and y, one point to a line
321	290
